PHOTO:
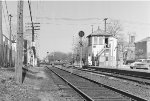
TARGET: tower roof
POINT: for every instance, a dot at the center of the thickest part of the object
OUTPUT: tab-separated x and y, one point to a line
99	32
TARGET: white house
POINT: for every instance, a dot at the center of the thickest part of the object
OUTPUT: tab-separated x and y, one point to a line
102	49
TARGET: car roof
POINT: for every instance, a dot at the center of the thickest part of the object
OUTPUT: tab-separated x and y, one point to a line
141	59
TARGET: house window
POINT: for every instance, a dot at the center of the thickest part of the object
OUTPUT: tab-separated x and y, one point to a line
100	41
94	46
90	41
106	58
106	42
95	40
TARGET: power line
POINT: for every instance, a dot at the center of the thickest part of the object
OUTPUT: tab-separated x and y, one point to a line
69	19
38	35
30	11
90	19
87	19
132	22
7	9
37	9
31	21
5	19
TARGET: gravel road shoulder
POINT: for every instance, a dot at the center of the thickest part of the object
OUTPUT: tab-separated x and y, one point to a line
37	86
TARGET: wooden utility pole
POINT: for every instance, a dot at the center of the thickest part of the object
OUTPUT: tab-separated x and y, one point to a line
19	58
105	23
31	21
10	42
80	52
81	34
1	36
117	55
25	52
1	23
73	52
105	44
92	28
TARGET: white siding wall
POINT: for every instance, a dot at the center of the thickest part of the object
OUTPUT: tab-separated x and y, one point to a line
89	55
113	53
96	48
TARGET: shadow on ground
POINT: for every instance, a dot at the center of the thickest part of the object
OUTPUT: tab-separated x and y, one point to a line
28	73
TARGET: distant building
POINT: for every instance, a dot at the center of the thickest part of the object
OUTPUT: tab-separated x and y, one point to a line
142	49
129	51
102	49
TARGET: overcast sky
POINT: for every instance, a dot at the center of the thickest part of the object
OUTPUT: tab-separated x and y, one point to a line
61	20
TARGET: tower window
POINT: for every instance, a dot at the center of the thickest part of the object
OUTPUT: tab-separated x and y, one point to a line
95	40
106	42
90	41
106	58
101	41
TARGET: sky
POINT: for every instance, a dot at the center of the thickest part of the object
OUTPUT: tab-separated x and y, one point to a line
60	21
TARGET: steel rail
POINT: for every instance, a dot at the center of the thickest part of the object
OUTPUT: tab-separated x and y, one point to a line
128	72
120	76
133	97
85	96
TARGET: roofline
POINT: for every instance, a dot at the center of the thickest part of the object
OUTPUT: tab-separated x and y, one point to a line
100	35
146	39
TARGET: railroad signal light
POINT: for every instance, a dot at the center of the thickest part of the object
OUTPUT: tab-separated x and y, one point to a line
81	33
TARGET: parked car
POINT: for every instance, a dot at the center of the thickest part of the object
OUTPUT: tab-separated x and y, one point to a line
140	64
140	60
147	61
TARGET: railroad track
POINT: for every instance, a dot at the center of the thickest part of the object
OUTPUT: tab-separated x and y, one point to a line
66	91
91	90
124	76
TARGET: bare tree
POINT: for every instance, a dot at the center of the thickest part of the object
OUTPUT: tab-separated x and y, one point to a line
114	28
60	56
76	49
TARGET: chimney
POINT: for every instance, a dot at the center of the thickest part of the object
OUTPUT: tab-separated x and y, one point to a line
132	39
98	28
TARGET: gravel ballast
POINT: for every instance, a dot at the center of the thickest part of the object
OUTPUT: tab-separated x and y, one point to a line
38	85
130	87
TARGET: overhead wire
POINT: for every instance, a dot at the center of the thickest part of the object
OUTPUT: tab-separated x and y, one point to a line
90	19
7	9
37	35
37	10
29	3
69	19
5	19
8	15
86	19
